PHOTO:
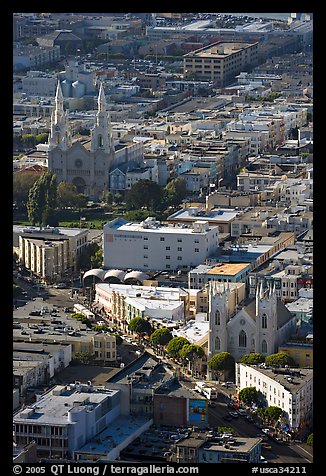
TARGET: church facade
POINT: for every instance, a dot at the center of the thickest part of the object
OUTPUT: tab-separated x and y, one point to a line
86	163
257	325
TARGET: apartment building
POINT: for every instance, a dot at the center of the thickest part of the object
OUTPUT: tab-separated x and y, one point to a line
151	246
289	389
49	252
221	61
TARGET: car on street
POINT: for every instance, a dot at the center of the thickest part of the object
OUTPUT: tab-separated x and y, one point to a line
234	414
227	417
266	446
60	286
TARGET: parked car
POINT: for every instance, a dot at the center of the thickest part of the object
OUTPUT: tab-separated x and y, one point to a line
234	414
35	313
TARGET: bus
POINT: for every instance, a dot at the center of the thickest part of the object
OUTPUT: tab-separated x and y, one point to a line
206	390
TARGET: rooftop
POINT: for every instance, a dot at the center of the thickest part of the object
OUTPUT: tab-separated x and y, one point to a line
120	430
55	406
197	213
293	380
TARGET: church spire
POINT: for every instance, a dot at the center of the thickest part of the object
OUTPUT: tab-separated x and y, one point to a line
101	132
58	100
261	290
60	135
101	101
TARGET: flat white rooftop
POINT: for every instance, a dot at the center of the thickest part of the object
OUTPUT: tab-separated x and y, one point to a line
197	213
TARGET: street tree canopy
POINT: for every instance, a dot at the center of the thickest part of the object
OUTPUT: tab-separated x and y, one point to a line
140	325
191	352
175	345
280	359
254	358
161	336
221	361
249	395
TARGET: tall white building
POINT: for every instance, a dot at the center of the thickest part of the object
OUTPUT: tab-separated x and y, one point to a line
289	389
150	246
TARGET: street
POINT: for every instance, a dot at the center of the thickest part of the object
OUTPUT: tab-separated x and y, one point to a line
60	298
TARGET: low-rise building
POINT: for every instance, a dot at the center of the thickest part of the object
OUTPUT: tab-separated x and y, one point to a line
221	272
202	448
221	217
122	302
151	246
77	422
101	345
289	389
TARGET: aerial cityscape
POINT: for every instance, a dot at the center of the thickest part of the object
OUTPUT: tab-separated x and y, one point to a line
163	238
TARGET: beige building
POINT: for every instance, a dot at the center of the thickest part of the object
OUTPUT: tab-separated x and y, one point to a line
101	344
221	61
49	252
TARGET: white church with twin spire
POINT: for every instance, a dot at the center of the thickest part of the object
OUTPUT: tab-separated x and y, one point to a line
255	325
86	163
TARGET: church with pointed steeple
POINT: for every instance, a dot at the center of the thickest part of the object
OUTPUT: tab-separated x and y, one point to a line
258	325
85	164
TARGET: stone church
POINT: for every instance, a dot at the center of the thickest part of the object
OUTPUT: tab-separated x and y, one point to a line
87	163
259	324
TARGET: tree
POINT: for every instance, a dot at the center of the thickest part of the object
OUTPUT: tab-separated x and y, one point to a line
137	215
140	325
144	193
221	362
41	138
272	414
254	358
118	197
192	352
88	257
249	395
67	195
280	359
84	357
175	345
175	191
42	199
310	439
225	429
97	259
107	198
161	336
22	183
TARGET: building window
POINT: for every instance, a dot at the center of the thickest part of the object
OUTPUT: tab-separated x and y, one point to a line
217	317
179	240
179	248
264	347
162	238
168	248
167	257
264	321
242	339
196	250
217	343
